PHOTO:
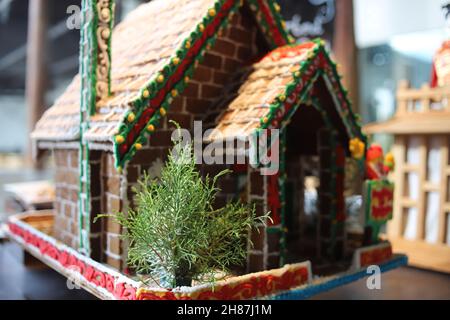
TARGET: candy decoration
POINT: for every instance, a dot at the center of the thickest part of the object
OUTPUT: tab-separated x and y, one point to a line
150	128
176	61
131	117
119	139
389	161
357	148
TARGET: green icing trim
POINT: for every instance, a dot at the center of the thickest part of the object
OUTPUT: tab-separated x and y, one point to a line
88	67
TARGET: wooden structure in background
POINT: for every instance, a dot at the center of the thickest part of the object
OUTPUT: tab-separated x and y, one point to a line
422	119
36	68
344	48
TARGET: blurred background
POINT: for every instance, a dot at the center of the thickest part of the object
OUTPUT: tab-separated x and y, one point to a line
377	44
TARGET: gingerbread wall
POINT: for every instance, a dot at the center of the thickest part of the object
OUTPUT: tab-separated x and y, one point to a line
110	202
105	198
66	201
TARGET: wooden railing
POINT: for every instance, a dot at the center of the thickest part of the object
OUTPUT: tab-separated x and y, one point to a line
425	99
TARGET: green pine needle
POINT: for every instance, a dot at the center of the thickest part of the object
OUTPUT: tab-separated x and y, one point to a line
174	232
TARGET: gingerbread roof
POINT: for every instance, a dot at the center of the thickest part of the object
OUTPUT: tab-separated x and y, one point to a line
149	60
275	86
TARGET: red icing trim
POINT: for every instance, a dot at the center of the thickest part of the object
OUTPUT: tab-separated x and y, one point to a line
375	256
260	286
277	36
122	291
273	199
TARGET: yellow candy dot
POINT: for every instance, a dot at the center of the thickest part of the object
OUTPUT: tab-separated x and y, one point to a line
282	97
212	12
150	128
186	79
145	93
131	117
265	120
188	44
119	139
201	27
176	61
174	93
160	78
138	146
162	111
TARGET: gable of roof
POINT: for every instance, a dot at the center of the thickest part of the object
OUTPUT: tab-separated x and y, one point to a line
276	86
151	62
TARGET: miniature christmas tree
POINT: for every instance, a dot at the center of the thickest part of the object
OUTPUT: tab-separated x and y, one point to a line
174	232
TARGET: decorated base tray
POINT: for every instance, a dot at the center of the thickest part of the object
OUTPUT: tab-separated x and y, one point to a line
294	281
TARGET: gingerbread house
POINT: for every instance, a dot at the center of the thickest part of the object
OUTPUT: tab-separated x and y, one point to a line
230	65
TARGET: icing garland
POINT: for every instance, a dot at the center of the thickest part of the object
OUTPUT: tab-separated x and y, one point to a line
158	95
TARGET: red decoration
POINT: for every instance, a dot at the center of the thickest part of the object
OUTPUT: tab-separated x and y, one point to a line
289	51
375	167
340	204
440	75
273	199
277	36
375	256
254	286
121	290
384	199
